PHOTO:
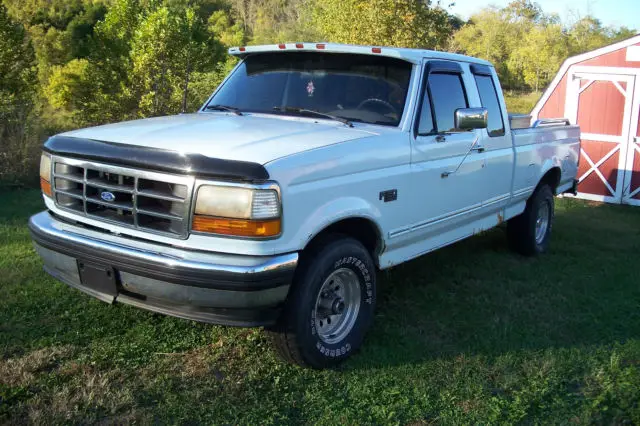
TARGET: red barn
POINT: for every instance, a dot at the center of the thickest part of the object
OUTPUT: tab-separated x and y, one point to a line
600	91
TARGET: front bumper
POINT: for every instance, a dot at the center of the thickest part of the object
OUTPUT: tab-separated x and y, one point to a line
202	286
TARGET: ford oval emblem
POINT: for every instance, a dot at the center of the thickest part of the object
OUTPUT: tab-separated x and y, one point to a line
107	196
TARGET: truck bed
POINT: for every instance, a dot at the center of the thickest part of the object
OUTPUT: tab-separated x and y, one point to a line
555	143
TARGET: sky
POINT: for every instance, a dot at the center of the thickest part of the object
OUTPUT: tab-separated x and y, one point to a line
610	12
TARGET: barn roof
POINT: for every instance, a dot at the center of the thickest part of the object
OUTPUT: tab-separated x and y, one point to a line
577	59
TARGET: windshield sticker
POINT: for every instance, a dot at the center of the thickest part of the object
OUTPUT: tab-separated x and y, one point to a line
310	88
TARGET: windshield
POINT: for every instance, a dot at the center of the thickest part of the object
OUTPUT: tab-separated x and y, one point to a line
363	88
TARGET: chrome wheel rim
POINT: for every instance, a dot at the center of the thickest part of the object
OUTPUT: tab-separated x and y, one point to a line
542	222
337	305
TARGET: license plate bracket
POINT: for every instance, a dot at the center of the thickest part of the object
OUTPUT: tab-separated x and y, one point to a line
98	277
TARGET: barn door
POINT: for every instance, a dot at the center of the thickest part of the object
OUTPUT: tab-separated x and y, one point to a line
631	190
601	103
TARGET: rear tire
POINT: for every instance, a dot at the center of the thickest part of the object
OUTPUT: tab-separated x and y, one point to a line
330	305
529	232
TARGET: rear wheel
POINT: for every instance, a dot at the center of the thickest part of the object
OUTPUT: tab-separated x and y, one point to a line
529	232
330	306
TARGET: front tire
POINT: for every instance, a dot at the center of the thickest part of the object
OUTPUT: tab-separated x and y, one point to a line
529	233
330	306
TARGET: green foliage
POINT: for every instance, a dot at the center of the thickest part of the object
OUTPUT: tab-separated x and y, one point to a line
229	33
74	63
17	91
16	68
528	46
486	36
275	21
588	34
70	90
402	23
169	45
539	55
142	62
519	102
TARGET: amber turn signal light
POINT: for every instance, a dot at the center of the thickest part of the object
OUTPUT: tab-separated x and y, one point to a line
45	187
236	227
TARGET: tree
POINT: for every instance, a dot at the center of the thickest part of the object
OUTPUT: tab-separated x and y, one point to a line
403	23
98	88
17	63
486	36
540	54
588	33
525	45
71	91
167	48
275	21
229	33
60	30
17	90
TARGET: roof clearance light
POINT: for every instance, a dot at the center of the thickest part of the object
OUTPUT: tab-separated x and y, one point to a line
242	49
282	46
299	45
320	46
376	50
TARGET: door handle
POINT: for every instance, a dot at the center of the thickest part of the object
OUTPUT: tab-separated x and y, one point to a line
478	148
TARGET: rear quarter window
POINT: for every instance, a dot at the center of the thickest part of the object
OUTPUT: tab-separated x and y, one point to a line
489	99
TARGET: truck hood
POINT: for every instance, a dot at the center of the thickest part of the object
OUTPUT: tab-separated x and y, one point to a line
255	138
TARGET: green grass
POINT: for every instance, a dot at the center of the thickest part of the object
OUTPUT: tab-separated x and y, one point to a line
469	334
521	103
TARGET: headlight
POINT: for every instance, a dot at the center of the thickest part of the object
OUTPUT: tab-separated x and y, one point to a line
243	212
45	174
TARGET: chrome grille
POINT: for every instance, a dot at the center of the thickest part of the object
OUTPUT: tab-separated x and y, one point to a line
137	199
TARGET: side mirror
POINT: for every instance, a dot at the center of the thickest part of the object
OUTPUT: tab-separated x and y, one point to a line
471	118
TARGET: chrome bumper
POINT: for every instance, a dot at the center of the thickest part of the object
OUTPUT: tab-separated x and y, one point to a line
209	287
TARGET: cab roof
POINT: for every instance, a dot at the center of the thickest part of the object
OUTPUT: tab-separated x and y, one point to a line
411	55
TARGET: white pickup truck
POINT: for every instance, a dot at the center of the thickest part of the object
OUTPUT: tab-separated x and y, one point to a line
311	167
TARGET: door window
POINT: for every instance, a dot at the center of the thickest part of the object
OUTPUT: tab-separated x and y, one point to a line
444	95
426	125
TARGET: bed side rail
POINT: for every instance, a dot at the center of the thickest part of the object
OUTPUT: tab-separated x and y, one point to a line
551	122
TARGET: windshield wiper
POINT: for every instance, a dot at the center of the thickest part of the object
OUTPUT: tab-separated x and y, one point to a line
305	111
218	107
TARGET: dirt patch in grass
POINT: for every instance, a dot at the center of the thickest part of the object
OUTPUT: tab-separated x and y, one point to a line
195	363
81	394
22	371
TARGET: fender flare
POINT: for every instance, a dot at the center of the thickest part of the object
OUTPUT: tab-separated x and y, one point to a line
335	211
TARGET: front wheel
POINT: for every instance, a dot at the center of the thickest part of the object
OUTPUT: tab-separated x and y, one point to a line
330	307
529	232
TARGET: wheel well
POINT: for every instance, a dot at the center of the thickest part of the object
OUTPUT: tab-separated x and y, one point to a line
363	230
551	178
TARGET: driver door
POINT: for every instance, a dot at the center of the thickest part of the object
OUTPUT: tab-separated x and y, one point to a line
448	171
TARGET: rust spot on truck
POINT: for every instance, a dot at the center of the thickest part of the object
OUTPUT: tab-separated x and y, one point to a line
500	218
